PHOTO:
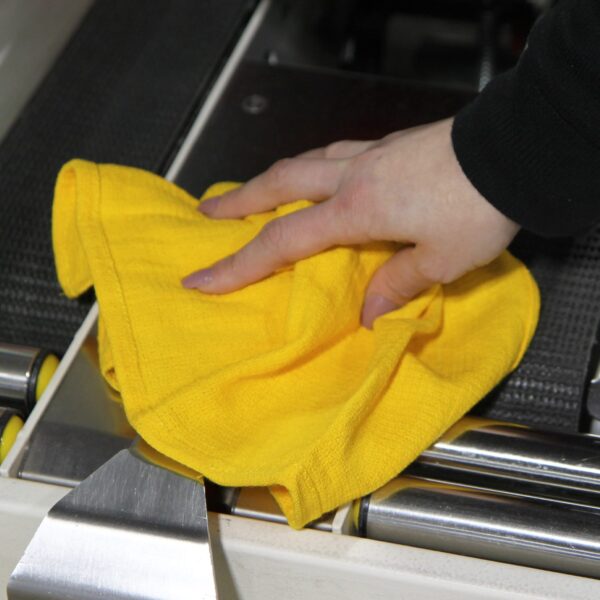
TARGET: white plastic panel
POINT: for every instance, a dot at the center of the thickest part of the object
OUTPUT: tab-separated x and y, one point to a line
32	33
265	561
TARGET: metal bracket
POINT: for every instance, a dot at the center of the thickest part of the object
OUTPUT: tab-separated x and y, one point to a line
136	528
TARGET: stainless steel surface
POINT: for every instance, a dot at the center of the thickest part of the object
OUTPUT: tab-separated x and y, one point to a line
67	454
16	363
516	459
257	503
82	428
137	528
475	523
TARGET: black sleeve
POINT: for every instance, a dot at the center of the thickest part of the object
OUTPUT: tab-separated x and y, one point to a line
530	142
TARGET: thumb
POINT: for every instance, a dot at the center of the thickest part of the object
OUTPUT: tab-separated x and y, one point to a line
394	284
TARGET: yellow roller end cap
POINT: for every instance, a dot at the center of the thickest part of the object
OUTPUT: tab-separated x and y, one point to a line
356	513
47	369
9	435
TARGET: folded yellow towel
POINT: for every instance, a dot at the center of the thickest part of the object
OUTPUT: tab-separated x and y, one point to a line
277	384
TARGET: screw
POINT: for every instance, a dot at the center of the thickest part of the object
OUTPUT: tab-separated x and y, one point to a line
254	104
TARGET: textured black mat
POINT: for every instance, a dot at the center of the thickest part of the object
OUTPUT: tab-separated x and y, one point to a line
548	389
309	108
122	91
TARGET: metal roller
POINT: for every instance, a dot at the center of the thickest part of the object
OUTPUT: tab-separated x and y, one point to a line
24	374
500	492
258	503
516	459
525	531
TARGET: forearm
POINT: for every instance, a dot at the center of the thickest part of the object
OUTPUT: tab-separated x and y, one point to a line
530	143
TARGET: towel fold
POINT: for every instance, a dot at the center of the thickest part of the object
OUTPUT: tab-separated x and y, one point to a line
277	384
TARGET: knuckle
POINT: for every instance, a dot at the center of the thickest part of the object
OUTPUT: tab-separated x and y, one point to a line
334	149
352	208
226	271
353	195
230	265
274	236
393	285
433	270
405	283
278	173
340	218
368	158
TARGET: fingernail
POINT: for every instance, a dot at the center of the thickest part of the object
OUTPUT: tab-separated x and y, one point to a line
209	205
198	280
375	306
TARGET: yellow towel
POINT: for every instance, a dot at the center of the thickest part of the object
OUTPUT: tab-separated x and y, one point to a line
277	384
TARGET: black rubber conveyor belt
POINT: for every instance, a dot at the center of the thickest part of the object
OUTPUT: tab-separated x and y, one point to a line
123	91
550	386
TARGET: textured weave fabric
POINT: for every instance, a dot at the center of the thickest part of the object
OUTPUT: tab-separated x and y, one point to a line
277	384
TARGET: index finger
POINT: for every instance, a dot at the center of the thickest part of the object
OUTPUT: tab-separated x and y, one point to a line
285	181
281	242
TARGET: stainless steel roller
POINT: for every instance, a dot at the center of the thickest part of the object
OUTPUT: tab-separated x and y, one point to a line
258	503
500	492
24	374
516	459
525	531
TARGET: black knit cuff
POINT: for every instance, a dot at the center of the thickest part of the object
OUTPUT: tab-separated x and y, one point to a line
526	160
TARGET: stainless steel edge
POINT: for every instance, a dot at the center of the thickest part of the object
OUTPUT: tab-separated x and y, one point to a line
132	530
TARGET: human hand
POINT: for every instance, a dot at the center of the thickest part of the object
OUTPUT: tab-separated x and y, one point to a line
407	188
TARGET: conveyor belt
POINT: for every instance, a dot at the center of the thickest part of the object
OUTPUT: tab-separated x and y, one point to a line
549	388
122	91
